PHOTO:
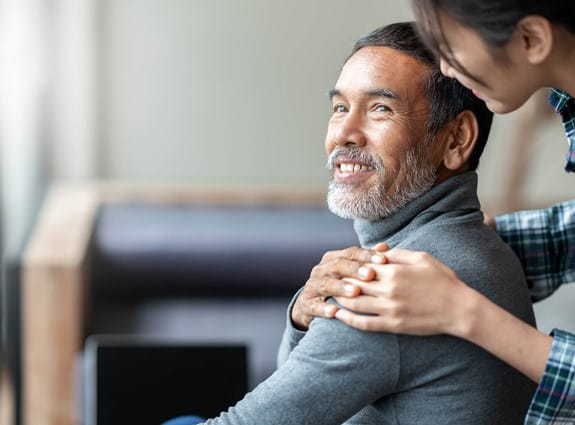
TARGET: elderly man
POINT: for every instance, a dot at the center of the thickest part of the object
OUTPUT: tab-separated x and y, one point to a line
403	143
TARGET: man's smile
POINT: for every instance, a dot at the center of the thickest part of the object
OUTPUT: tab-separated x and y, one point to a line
347	171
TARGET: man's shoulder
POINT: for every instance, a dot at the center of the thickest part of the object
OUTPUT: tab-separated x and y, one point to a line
444	234
479	257
464	245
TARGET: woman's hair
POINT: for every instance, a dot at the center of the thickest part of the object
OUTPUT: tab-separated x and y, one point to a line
493	20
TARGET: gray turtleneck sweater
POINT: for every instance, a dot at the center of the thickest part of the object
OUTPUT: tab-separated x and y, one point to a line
334	374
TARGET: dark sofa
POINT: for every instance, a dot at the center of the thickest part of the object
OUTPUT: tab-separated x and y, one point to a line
212	273
186	264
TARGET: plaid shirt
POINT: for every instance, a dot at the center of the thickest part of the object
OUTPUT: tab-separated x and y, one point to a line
544	240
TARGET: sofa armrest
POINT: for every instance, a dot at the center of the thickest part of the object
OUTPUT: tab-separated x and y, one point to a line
6	397
54	289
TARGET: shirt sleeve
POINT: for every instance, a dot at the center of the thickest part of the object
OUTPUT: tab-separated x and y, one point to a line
544	241
327	378
291	336
554	400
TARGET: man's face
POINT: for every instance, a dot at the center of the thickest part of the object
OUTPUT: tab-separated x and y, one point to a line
376	137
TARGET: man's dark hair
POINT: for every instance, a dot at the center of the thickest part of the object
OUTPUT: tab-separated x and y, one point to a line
446	96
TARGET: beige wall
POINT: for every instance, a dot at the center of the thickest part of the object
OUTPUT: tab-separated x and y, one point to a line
546	181
234	92
225	91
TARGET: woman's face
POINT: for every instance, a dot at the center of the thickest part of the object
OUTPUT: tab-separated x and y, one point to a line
501	77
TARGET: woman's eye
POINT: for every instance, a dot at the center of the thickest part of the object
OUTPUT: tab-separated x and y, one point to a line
339	108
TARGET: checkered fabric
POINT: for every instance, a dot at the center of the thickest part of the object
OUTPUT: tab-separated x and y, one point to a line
564	105
544	240
554	401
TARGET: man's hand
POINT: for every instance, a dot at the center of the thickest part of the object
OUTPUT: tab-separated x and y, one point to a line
327	280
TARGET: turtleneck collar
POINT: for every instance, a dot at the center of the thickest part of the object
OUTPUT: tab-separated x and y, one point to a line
456	196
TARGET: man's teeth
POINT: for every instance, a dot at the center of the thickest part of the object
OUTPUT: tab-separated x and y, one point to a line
354	168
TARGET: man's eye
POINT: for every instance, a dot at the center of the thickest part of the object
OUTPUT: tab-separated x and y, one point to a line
339	108
381	108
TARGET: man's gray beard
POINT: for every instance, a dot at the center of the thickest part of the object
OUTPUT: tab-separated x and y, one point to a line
374	202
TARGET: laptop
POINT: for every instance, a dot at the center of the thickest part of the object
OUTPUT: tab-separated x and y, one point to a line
142	380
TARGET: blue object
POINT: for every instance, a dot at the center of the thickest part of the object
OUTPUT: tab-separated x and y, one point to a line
185	420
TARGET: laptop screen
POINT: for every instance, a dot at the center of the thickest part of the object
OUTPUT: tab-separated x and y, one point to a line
145	381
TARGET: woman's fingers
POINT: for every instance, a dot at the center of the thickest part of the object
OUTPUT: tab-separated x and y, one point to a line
365	323
490	221
381	247
386	281
407	257
364	304
414	293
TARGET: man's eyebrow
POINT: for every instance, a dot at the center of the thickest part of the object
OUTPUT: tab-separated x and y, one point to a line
334	92
390	94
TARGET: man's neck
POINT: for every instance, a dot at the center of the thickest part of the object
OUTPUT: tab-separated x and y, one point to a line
444	173
458	193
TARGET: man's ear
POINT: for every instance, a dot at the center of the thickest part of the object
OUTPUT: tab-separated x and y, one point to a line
535	34
461	140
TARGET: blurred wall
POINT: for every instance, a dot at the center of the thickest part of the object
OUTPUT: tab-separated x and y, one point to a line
228	92
546	181
224	92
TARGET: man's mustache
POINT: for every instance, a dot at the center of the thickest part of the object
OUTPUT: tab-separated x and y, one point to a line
353	154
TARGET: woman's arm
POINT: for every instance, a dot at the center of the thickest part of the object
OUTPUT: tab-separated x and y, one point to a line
507	337
544	241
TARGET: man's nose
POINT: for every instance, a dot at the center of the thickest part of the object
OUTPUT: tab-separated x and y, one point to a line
351	131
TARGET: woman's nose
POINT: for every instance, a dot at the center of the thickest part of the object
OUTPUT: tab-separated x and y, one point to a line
446	69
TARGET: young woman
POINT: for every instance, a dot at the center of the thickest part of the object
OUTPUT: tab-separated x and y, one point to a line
503	50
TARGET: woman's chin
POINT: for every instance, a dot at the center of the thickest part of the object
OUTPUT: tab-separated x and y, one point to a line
498	107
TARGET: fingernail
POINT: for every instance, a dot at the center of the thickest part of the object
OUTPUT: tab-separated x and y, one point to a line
377	259
341	314
363	272
348	289
329	311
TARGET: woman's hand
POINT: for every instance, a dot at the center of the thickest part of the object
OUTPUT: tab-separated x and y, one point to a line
414	294
489	220
327	280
